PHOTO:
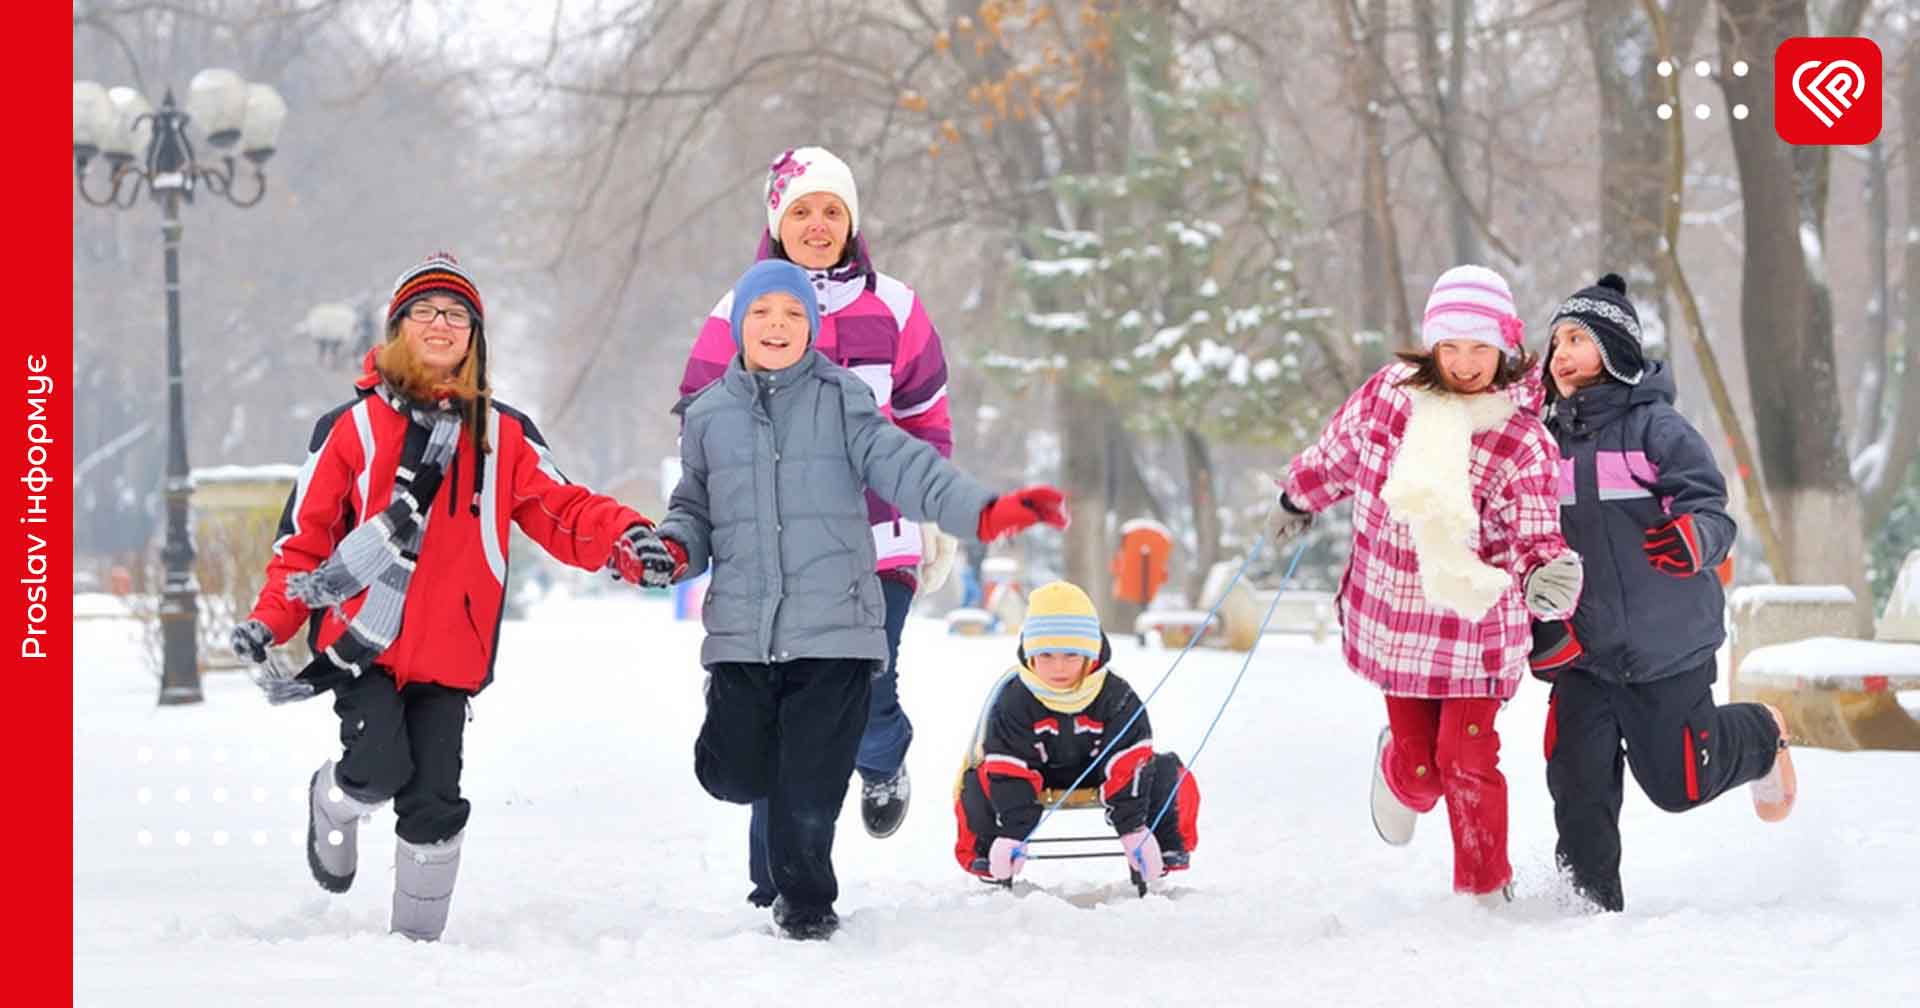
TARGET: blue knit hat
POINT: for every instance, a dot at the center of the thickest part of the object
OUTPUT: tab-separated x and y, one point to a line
773	276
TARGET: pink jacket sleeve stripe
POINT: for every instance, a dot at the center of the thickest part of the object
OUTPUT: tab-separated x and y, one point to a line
919	371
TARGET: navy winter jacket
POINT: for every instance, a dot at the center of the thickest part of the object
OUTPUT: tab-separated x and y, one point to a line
1630	462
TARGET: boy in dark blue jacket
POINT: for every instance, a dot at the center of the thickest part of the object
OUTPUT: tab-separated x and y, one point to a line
1646	508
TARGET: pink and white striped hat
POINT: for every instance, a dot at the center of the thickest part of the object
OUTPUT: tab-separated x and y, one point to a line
1472	303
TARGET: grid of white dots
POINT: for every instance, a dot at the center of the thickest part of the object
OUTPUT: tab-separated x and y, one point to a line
1701	68
183	795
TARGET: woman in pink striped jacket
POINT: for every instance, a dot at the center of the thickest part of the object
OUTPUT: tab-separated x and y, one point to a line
1456	539
874	326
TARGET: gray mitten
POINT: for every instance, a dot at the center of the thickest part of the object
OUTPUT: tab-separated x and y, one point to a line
1554	587
1286	522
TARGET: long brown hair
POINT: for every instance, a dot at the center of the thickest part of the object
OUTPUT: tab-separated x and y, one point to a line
397	363
1426	371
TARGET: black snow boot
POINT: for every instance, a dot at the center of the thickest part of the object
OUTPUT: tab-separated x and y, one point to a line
883	802
805	923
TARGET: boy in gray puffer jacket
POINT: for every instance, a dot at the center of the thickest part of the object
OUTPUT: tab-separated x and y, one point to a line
776	457
1644	505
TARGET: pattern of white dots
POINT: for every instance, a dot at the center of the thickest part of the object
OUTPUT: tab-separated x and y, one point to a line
144	838
182	837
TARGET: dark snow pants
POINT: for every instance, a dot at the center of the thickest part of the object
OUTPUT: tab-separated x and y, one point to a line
404	743
1684	750
787	733
883	742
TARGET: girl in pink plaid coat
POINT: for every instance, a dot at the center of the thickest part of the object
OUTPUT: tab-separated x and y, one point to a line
1456	540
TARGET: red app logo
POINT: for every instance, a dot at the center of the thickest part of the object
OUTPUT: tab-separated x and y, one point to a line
1826	90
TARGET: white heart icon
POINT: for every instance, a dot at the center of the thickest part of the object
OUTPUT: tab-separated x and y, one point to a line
1832	90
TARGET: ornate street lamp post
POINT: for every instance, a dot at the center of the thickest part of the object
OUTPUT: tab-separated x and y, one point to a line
116	125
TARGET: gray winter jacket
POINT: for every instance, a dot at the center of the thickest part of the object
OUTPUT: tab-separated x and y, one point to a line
1630	462
774	469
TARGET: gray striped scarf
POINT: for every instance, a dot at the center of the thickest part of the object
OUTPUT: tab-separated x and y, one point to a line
378	556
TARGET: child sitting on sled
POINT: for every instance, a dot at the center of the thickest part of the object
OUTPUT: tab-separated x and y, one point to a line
1051	717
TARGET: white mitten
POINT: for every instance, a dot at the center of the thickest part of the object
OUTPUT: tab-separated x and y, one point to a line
937	553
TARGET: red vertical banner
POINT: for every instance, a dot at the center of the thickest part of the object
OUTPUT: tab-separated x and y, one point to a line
36	442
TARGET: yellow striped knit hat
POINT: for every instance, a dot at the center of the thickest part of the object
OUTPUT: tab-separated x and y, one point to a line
1061	618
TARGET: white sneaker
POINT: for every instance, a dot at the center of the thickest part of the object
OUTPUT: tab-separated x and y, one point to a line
1496	899
1773	794
1391	819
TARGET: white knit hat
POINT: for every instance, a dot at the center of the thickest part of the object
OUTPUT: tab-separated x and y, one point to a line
1472	303
806	170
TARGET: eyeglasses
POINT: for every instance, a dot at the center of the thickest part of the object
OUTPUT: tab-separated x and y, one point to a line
425	314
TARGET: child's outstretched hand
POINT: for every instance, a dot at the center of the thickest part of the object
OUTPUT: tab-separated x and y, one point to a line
1023	508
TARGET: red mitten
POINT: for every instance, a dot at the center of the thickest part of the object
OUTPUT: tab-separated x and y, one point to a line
1674	548
1023	508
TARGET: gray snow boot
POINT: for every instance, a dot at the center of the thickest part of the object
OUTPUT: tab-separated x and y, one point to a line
423	876
333	830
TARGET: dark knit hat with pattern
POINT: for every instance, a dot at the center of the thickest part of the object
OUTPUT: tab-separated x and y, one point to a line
1605	313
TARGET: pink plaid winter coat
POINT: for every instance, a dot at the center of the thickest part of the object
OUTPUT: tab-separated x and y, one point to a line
1393	635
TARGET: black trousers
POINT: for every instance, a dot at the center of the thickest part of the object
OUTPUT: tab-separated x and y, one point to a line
883	743
788	733
1684	750
1178	829
404	744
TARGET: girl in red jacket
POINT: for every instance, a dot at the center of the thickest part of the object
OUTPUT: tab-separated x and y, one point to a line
1456	540
393	551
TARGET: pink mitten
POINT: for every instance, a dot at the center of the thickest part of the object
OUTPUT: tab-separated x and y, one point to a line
1143	853
1007	857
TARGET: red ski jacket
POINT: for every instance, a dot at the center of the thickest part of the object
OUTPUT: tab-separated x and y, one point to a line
451	622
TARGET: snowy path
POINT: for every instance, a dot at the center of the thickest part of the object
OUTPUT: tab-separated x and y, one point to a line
597	872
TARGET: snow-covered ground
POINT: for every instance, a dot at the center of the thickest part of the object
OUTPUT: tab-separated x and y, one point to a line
597	872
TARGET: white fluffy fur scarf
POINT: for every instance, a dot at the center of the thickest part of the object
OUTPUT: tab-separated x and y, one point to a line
1428	487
